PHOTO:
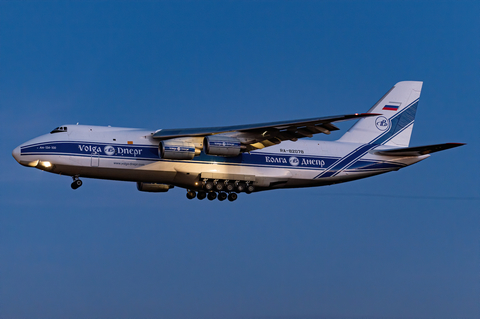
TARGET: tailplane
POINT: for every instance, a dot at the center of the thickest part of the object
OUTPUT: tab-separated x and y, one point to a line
417	150
394	126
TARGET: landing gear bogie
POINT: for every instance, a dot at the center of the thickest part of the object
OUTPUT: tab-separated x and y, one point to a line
221	196
222	189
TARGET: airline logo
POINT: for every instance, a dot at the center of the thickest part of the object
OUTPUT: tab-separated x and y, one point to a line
109	150
294	161
382	123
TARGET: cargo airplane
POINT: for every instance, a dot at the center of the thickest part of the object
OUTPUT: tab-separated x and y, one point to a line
220	162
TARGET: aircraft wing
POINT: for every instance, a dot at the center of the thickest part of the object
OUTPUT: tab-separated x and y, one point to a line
418	150
266	133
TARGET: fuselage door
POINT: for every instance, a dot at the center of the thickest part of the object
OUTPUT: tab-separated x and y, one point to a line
94	160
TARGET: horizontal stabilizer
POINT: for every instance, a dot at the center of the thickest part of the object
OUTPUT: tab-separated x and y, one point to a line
418	150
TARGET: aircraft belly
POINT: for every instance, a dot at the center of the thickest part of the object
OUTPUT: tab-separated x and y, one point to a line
185	174
263	176
76	160
125	174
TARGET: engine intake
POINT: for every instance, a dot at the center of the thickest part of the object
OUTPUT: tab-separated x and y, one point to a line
175	149
222	145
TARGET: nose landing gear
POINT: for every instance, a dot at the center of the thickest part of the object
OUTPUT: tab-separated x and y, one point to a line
76	182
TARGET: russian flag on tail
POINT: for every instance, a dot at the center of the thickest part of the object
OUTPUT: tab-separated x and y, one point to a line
391	107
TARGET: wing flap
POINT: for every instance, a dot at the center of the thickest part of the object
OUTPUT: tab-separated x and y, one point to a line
418	150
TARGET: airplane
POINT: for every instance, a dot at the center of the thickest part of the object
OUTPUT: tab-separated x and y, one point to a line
221	162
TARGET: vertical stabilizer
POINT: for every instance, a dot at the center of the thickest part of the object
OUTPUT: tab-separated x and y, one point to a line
394	126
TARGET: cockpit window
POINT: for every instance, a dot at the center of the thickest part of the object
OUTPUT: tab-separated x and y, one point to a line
59	129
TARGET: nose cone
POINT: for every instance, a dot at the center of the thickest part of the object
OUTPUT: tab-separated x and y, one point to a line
16	154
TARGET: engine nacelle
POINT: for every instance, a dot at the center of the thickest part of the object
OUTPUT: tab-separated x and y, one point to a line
222	145
153	187
177	149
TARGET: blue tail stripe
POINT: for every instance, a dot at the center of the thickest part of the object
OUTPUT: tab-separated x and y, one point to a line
398	123
346	161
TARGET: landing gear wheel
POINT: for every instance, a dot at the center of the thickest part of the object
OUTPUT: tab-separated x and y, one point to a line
240	187
230	187
232	197
250	189
219	186
76	184
201	195
209	186
212	195
222	196
191	194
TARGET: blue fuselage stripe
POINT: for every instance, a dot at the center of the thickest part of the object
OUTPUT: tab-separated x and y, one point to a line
257	159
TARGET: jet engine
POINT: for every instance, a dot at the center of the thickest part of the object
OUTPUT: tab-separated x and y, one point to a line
177	149
153	187
222	145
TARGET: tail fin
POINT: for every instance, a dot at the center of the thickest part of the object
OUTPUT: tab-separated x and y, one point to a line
394	127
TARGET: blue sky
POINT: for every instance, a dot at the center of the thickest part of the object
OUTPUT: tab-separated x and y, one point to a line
399	245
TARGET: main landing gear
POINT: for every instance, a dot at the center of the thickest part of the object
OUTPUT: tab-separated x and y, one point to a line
221	190
76	182
212	195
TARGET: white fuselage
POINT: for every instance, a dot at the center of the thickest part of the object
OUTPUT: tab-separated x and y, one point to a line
132	155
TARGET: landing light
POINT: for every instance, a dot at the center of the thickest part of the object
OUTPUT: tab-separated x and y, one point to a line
33	164
46	164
